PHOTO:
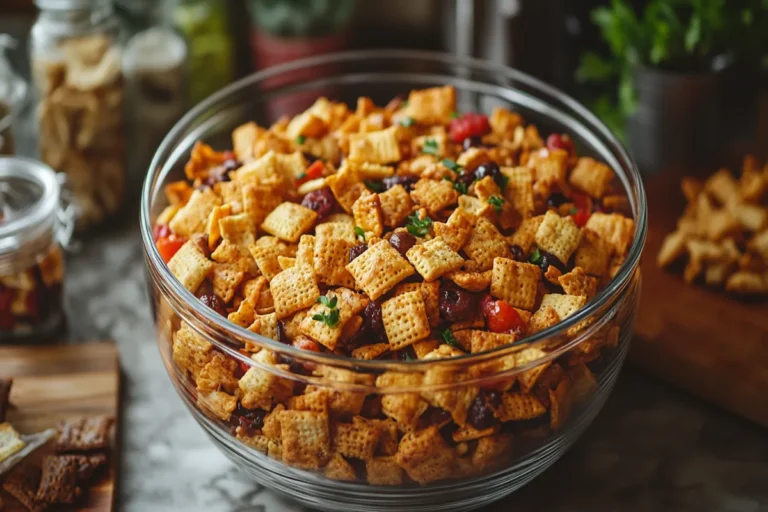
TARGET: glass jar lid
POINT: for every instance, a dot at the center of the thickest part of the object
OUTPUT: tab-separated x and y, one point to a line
29	212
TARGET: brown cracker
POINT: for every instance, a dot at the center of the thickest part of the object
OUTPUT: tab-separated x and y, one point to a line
58	484
83	434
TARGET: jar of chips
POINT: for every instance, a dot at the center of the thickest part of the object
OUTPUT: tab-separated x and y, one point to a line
33	228
77	70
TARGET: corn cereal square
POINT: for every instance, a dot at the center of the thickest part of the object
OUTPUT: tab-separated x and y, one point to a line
616	229
226	279
379	269
368	215
591	176
190	266
405	319
379	147
519	189
482	341
433	195
432	106
396	205
306	441
558	236
294	289
306	250
515	282
434	258
193	216
289	221
368	352
486	243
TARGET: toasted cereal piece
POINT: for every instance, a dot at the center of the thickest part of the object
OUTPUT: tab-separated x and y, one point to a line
515	282
190	266
379	269
231	193
262	172
10	441
191	352
517	406
342	230
482	341
434	258
167	214
672	248
475	207
258	201
558	236
316	401
218	373
747	283
368	352
238	231
216	404
561	404
486	243
720	224
616	229
226	278
271	427
379	147
306	250
491	451
424	348
405	319
723	187
550	167
431	106
404	408
345	404
456	231
503	122
289	221
346	187
243	139
750	216
330	259
577	282
472	281
59	484
471	158
193	216
265	252
348	305
433	195
261	388
716	273
459	397
470	433
23	484
752	185
265	325
285	262
212	226
564	305
425	456
525	236
368	215
369	171
593	253
358	439
519	189
383	471
529	378
430	294
553	274
306	124
178	194
306	441
396	205
339	469
591	176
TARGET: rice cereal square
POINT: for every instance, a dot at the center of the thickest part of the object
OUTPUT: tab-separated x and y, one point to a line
306	441
396	205
294	289
591	176
379	269
190	266
433	195
289	221
558	236
486	243
405	319
379	147
515	282
434	258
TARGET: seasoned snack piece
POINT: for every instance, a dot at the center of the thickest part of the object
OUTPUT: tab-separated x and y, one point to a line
484	244
425	456
23	484
305	439
294	289
289	221
58	484
190	266
377	147
434	258
435	105
405	319
379	269
591	176
10	441
83	434
515	282
558	236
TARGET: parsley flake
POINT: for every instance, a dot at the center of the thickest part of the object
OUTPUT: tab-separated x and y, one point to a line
450	164
535	257
376	186
418	227
331	318
503	182
325	301
430	147
449	338
360	232
407	122
574	211
408	357
454	115
300	139
301	176
459	187
496	202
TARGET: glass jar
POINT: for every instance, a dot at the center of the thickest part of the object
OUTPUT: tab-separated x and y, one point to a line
32	230
77	71
13	90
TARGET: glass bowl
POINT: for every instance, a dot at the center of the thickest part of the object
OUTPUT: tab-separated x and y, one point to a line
333	447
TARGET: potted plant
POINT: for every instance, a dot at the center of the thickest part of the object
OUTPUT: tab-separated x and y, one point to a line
666	63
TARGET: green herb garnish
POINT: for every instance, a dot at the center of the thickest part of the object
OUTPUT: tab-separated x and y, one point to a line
405	104
332	317
407	122
504	182
301	176
418	227
450	164
574	211
430	147
300	139
459	187
535	257
408	357
360	232
376	186
496	202
449	338
454	115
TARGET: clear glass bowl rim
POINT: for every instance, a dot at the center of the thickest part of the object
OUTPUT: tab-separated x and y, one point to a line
220	323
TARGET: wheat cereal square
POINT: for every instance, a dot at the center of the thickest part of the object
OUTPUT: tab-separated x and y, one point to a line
484	244
577	282
433	195
265	252
212	225
258	202
503	122
216	404
306	250
305	439
379	147
593	253
470	433
238	230
289	221
434	258
519	189
383	471
558	236
294	289
425	456
564	305
615	229
368	352
396	205
331	257
379	269
404	408
193	216
368	215
339	469
190	266
591	176
261	388
430	294
343	230
516	406
515	282
357	440
265	325
405	319
432	106
226	278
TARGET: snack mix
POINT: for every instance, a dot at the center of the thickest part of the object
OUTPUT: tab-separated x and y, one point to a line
406	232
723	233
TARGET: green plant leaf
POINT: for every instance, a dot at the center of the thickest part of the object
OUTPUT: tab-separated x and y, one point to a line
594	68
449	338
430	147
360	232
535	257
407	122
300	139
376	186
496	202
418	227
452	165
693	34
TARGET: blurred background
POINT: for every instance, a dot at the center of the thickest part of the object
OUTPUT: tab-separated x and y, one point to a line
683	82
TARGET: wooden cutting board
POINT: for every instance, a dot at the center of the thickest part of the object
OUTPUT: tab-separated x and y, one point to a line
56	382
709	343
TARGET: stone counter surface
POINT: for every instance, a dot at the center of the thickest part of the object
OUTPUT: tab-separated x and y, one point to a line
652	448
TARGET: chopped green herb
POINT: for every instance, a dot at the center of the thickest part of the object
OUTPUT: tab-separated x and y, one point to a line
459	187
408	357
535	257
430	147
504	182
300	139
496	202
450	164
454	115
325	301
418	227
360	232
376	186
407	122
329	319
449	338
301	176
405	103
574	211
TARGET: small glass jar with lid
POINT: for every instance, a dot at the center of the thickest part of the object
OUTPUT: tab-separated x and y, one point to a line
77	71
13	91
33	228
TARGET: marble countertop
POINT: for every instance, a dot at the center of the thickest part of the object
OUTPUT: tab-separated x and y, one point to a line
651	448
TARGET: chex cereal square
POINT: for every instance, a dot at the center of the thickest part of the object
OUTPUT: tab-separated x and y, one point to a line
289	221
379	269
434	258
405	319
515	282
558	236
294	289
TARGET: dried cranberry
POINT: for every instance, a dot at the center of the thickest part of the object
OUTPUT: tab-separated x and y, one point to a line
491	169
250	420
357	250
160	231
492	397
456	304
406	181
480	415
282	337
309	157
402	241
517	252
214	302
471	142
372	322
556	199
321	201
547	259
466	179
558	141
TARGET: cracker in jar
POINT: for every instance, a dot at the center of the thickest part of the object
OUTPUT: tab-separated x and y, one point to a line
405	319
379	269
515	282
289	221
305	439
190	266
484	244
434	258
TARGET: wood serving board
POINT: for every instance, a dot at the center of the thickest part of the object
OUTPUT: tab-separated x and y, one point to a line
51	383
712	344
